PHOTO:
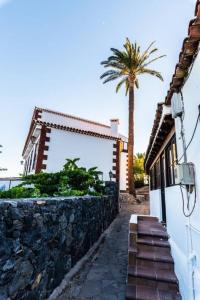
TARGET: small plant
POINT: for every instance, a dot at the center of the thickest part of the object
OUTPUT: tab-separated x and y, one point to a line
79	178
20	192
138	170
71	181
46	183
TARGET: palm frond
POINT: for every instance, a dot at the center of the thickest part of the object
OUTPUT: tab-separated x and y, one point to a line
108	73
129	63
137	83
149	62
151	72
118	66
147	50
119	85
113	77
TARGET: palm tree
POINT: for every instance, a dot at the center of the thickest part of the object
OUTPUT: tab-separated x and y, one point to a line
127	65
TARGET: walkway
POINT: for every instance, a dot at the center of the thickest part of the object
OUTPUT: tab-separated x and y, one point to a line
104	277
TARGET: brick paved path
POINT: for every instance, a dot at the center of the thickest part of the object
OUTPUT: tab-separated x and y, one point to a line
104	277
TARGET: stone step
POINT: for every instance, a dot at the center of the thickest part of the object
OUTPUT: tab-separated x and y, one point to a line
134	292
150	273
155	274
147	240
152	231
156	254
154	264
152	248
147	219
153	241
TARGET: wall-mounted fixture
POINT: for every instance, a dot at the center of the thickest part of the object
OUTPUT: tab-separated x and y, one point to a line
177	105
184	174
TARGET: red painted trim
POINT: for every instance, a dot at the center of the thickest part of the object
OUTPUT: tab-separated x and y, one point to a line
42	147
116	166
71	129
36	116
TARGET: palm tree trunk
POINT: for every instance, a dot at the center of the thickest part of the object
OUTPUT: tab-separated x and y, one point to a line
131	184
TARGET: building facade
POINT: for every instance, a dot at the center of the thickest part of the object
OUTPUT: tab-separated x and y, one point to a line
7	183
53	137
173	163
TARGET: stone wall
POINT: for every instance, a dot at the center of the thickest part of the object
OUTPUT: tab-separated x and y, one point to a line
41	239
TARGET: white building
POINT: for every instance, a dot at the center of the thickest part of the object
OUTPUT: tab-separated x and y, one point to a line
53	137
173	199
7	183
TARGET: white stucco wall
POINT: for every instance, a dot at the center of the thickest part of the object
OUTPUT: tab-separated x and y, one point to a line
155	204
185	232
123	170
92	151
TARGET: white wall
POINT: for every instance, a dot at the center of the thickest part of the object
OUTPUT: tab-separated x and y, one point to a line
155	204
92	151
123	170
185	232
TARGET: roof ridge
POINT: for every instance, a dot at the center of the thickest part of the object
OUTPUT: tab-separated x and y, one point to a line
73	129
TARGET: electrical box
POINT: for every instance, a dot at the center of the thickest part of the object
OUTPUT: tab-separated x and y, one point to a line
184	174
177	105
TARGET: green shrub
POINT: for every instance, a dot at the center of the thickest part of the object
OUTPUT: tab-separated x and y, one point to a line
46	183
71	181
20	192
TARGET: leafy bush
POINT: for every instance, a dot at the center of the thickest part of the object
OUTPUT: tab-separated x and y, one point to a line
138	170
71	181
20	192
46	183
79	178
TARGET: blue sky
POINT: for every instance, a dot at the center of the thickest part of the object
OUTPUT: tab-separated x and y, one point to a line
50	54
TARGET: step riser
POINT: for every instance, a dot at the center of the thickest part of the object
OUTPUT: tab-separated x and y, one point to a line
147	293
152	283
131	259
132	239
152	264
147	218
151	248
155	244
133	242
157	237
143	234
133	227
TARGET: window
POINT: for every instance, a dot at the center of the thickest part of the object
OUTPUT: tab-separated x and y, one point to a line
170	158
30	162
164	166
153	178
157	174
35	155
